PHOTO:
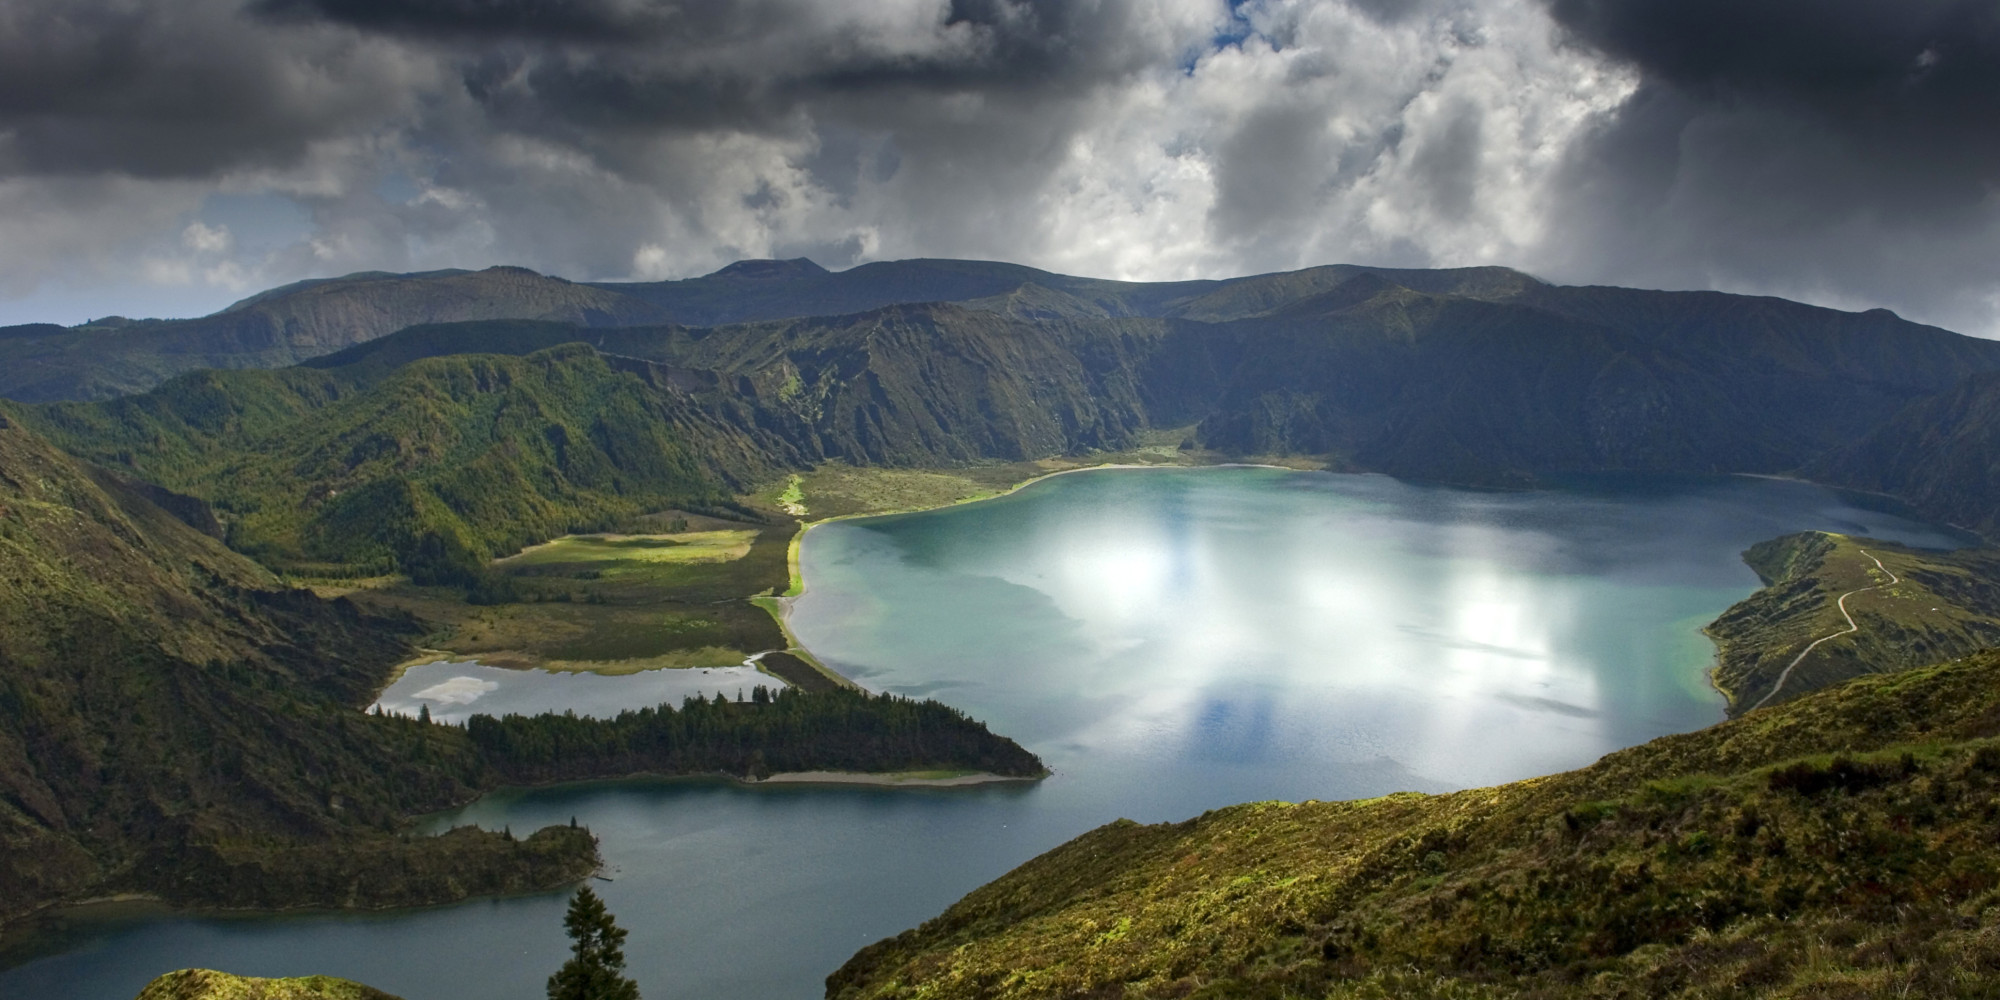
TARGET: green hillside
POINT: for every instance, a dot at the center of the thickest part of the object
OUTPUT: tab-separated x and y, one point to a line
431	468
207	984
1475	376
174	722
1909	608
1839	845
1941	453
363	464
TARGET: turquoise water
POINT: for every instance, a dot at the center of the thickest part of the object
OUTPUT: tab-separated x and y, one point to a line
1168	640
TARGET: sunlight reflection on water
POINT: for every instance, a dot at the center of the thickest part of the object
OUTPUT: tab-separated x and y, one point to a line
1168	641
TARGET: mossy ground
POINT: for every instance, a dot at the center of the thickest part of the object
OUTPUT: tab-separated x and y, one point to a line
208	984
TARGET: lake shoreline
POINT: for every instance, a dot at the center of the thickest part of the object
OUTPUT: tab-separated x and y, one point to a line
889	779
780	606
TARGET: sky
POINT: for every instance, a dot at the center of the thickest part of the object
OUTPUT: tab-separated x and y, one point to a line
164	159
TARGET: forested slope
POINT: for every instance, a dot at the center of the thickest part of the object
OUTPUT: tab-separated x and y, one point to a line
175	722
1941	453
432	467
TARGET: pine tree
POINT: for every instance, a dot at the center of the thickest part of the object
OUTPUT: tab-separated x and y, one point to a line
597	954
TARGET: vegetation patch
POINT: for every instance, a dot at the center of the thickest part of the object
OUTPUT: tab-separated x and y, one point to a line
837	490
615	603
1915	608
1837	845
207	984
786	730
609	555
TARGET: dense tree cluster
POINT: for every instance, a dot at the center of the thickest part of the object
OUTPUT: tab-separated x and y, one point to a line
841	730
595	970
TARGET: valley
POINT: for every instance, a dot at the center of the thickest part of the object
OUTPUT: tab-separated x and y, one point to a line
227	536
1137	713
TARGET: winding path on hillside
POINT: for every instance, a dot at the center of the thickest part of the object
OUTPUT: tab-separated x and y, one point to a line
1850	630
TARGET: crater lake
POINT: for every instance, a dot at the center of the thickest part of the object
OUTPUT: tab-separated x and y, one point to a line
1169	641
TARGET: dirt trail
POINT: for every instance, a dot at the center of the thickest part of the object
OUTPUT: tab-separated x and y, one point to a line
1850	630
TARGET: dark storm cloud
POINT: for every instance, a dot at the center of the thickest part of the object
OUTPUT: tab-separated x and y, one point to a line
1843	150
175	90
602	21
1908	89
1822	148
1031	43
1851	53
594	73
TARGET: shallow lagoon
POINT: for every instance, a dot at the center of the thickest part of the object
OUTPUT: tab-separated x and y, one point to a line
456	690
1168	640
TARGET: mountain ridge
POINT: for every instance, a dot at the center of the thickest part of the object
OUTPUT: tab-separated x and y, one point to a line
504	433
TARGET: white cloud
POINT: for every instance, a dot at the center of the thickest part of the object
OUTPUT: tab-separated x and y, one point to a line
206	239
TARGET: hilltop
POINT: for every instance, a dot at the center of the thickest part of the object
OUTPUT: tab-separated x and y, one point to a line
287	325
207	984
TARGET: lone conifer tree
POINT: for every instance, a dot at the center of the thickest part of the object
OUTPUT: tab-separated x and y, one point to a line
597	954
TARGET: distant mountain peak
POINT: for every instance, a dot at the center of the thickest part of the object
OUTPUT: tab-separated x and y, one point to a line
521	271
765	270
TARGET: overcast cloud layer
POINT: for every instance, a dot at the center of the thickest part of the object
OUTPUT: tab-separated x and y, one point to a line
166	158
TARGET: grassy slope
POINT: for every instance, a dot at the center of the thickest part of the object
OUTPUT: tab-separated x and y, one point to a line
174	722
207	984
596	607
1941	454
348	470
1946	604
1741	860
